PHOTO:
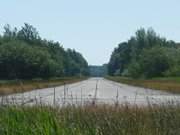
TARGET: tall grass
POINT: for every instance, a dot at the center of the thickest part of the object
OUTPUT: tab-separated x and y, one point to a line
90	120
18	86
167	84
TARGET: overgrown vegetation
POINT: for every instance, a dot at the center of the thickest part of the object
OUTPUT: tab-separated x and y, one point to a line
90	120
19	86
167	84
25	55
146	55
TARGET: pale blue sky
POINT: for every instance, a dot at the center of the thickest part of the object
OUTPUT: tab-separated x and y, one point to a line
93	27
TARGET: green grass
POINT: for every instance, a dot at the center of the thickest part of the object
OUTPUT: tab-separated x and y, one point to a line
171	84
18	86
90	120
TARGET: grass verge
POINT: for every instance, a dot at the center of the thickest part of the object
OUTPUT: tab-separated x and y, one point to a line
18	86
167	84
90	120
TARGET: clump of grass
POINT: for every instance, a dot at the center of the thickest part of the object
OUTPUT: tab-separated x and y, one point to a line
90	120
27	121
167	84
17	86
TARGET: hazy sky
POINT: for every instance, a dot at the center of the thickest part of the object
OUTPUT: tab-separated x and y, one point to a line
93	27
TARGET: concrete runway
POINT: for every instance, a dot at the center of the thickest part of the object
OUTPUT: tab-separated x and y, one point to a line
93	90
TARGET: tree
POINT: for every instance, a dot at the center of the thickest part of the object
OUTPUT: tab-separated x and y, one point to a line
28	33
18	60
145	55
9	33
76	64
153	62
24	55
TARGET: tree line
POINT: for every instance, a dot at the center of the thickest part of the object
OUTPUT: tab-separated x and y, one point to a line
25	55
145	55
98	71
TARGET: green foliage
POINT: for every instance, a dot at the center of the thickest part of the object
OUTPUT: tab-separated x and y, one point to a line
145	55
18	60
76	65
151	63
98	71
134	70
173	71
119	59
24	55
89	120
28	33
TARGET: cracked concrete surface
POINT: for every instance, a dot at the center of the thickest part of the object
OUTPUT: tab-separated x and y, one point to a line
93	90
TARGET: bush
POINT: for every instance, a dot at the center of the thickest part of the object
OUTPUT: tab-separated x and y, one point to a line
134	70
173	71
